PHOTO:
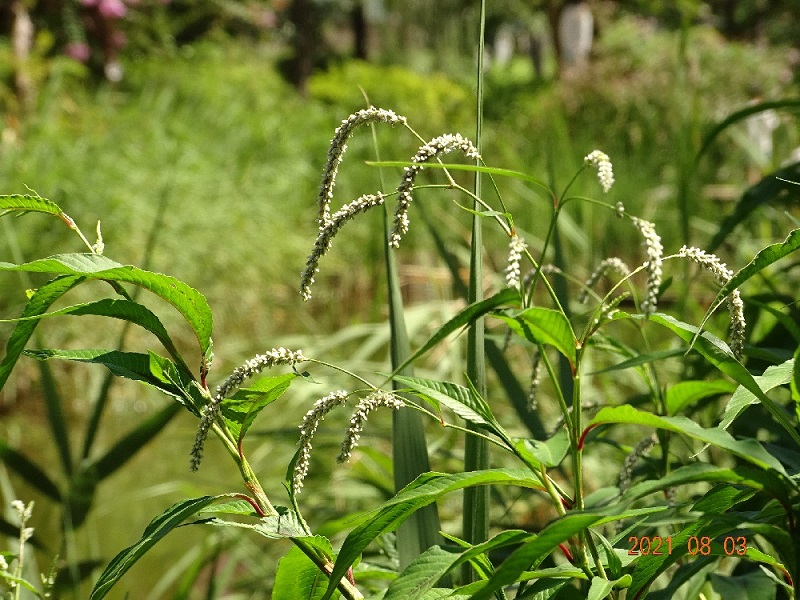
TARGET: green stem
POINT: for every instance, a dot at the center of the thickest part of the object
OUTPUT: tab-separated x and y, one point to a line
562	401
348	590
249	477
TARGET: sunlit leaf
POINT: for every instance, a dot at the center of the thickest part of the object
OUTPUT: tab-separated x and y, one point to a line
719	354
28	203
464	318
749	450
550	453
773	377
427	488
686	393
241	409
125	310
543	326
37	304
157	529
464	402
150	369
298	577
423	574
188	301
761	261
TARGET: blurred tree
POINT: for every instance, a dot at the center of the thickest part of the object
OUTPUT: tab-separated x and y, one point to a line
21	44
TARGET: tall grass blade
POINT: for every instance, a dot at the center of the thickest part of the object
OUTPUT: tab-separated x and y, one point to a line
516	394
792	104
476	452
409	448
761	261
127	446
773	188
29	471
718	354
55	416
748	450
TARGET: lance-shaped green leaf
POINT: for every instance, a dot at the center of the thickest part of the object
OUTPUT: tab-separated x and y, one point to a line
155	531
543	326
686	393
18	581
37	304
409	448
773	377
600	588
550	453
298	577
423	574
533	552
29	471
465	402
641	359
749	450
650	566
796	382
718	354
28	203
188	301
744	475
284	525
241	409
125	310
422	491
465	317
762	260
151	369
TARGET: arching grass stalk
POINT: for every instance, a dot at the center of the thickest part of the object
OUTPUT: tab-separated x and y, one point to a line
409	447
476	453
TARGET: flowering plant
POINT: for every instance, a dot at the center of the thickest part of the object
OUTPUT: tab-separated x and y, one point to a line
587	541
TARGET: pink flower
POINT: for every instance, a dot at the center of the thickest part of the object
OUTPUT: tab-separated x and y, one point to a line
112	9
78	51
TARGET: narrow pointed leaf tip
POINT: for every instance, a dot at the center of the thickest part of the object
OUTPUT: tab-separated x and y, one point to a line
29	203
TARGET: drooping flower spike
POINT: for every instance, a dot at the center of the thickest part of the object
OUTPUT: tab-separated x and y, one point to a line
375	400
308	428
327	231
272	358
655	253
436	147
339	146
723	275
609	264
